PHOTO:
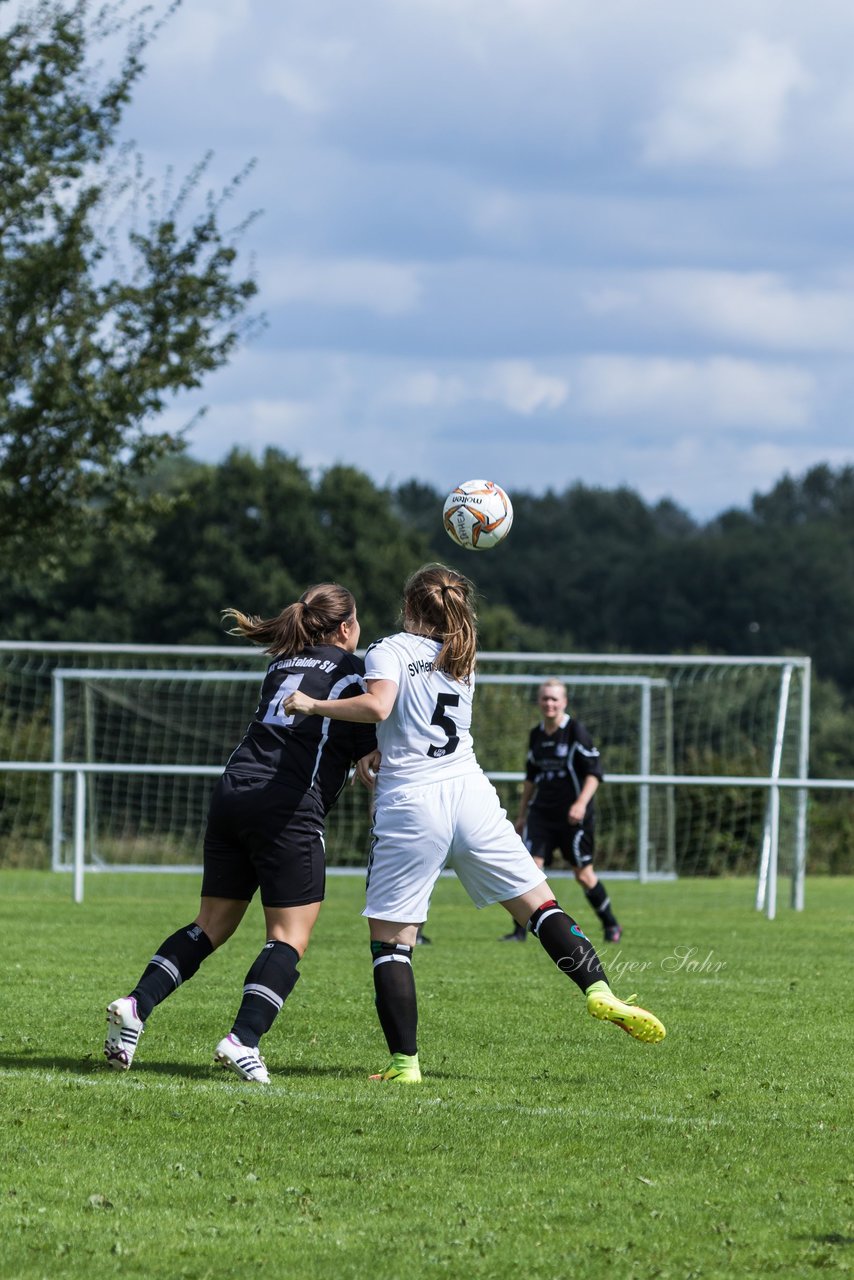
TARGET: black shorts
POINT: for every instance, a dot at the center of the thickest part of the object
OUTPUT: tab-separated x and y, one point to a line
261	834
576	843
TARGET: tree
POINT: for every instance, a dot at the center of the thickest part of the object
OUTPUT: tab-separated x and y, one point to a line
252	533
91	350
255	533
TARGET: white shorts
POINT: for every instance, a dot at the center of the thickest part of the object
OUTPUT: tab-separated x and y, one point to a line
418	831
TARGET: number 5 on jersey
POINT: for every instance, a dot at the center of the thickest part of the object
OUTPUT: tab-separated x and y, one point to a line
443	701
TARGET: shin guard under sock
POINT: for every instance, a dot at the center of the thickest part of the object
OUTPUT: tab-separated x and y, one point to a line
267	986
567	945
394	987
177	959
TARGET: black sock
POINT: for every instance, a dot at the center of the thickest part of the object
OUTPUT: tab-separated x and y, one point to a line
601	904
394	985
267	986
563	939
177	959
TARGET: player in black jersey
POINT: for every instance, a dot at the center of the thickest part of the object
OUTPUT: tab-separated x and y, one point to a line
556	810
265	827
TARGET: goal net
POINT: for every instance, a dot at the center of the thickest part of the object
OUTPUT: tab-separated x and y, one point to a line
690	748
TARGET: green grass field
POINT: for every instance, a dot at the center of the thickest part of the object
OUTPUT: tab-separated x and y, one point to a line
542	1143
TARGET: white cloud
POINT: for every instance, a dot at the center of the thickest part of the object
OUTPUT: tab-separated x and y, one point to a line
732	113
426	389
194	39
714	391
307	76
295	88
518	386
760	308
386	288
251	424
514	385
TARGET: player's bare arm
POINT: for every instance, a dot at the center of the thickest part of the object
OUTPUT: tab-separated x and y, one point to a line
365	708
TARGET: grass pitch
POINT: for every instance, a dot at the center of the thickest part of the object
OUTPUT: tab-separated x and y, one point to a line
541	1143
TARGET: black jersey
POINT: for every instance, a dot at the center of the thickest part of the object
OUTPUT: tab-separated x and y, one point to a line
313	753
557	765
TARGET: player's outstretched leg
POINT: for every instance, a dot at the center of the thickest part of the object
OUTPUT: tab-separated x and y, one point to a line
124	1027
575	955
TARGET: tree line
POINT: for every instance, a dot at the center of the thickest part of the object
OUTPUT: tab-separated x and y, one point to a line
586	569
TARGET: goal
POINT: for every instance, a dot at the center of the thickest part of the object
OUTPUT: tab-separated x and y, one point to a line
151	740
107	755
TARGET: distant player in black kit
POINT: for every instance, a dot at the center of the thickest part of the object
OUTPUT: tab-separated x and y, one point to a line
265	827
562	775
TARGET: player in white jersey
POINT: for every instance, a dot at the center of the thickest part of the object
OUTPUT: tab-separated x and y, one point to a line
435	808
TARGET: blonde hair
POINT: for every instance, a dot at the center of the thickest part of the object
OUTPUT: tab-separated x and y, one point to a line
552	683
313	619
440	601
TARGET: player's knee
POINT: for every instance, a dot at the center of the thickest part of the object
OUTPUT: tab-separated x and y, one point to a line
544	910
383	952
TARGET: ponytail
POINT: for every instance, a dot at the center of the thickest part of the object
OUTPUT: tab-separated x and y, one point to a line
441	602
313	619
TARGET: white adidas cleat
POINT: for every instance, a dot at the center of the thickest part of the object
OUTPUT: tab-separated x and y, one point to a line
124	1027
243	1060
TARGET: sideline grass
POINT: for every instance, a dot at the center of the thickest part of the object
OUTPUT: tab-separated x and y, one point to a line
541	1143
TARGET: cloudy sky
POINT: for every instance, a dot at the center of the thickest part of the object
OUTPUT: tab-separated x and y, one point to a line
535	241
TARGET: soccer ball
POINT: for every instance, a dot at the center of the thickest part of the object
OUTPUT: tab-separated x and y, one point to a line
477	515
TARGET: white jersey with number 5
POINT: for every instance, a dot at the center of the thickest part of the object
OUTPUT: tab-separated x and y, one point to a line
427	737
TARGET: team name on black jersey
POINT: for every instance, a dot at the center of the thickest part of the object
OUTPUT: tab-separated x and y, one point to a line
302	662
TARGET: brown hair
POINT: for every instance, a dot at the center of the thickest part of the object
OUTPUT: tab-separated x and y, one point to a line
441	601
313	619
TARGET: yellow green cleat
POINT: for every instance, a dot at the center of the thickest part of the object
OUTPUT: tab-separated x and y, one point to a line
403	1069
630	1017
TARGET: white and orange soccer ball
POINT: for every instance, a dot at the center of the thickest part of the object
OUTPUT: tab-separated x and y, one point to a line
477	515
